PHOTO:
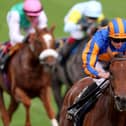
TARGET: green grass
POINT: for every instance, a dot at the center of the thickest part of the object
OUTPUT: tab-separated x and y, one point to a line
56	10
37	112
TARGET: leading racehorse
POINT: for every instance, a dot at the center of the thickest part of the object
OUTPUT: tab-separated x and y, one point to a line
28	75
110	109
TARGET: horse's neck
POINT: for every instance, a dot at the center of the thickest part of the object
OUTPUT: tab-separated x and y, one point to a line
106	104
116	117
28	56
80	45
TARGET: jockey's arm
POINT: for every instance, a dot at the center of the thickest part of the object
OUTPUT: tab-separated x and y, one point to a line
90	60
71	27
43	20
71	21
13	21
89	57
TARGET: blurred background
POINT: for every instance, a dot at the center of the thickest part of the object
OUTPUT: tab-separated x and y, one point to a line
55	10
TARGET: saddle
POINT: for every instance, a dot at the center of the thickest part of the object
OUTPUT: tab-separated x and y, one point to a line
6	53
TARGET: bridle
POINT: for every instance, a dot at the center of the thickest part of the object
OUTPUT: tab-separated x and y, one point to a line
45	38
118	100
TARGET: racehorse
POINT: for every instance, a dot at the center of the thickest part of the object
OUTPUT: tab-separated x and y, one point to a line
28	75
110	109
68	73
72	70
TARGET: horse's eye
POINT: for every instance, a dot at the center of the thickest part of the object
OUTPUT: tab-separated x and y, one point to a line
111	75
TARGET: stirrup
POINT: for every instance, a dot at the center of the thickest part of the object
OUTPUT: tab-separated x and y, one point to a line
71	114
75	114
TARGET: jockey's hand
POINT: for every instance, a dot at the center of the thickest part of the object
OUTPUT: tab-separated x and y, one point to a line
104	75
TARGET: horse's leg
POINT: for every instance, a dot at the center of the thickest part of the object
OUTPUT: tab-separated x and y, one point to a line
3	111
20	95
56	87
12	107
46	99
58	81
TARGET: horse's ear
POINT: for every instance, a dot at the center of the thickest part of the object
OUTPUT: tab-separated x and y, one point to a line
52	28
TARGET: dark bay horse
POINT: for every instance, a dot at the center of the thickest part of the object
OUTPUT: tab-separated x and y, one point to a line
110	109
68	73
29	75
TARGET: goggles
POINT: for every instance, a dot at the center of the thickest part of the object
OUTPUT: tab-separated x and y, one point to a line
117	40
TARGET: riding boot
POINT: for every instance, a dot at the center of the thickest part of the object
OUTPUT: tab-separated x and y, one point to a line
87	99
87	91
84	99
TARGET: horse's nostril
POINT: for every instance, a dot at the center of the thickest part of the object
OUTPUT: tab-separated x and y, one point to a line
121	100
117	98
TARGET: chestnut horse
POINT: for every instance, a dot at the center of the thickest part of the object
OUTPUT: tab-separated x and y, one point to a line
110	109
29	75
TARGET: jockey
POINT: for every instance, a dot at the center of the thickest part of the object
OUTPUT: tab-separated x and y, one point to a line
81	21
106	43
23	16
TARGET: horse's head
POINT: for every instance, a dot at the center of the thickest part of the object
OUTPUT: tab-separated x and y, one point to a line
46	45
118	82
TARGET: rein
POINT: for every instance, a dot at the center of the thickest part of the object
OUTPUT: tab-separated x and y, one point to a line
118	59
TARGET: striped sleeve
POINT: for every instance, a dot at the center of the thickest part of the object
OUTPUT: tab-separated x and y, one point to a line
74	16
89	58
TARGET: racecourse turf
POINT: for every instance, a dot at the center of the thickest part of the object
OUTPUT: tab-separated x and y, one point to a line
55	10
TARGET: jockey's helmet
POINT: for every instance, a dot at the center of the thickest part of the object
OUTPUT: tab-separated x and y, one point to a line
117	28
32	7
93	9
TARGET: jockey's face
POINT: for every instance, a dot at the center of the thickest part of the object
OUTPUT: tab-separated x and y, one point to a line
33	20
117	43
